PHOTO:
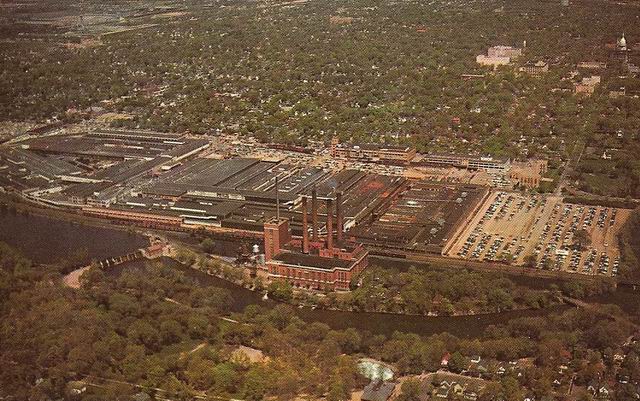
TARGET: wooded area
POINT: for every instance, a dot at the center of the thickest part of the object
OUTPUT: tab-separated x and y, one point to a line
141	326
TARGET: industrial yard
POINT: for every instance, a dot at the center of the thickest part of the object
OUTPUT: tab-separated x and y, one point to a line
178	182
424	218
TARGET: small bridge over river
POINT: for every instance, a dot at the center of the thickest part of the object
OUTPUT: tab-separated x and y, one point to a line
156	250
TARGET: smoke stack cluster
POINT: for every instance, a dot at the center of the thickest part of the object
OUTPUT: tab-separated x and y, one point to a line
277	200
314	221
329	224
305	228
339	217
314	213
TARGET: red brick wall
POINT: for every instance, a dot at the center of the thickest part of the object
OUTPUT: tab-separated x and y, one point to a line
315	279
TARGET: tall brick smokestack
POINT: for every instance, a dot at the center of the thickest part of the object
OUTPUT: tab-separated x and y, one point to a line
277	200
329	224
339	217
305	226
314	213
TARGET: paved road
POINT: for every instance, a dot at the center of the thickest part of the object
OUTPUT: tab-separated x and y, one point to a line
571	164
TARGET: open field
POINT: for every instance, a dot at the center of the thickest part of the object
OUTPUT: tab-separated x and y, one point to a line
509	227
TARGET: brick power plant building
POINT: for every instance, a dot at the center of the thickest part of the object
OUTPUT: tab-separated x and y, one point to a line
313	262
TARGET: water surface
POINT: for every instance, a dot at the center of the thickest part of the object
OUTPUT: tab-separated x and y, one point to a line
46	240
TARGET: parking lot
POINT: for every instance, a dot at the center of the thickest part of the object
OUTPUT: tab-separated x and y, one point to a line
510	227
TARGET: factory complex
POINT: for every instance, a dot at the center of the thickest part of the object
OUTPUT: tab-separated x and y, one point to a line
315	224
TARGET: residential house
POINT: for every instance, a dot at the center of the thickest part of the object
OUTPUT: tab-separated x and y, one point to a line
445	389
604	393
445	360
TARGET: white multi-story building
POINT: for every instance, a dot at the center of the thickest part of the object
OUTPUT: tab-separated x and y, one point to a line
504	51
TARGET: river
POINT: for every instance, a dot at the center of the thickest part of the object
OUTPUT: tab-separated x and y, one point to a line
376	323
46	240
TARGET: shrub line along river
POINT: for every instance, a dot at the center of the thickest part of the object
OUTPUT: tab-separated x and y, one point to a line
46	240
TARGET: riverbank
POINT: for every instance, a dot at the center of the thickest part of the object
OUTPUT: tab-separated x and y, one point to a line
52	232
372	322
48	240
412	259
387	303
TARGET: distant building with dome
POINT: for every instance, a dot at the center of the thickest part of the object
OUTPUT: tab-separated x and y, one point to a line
622	43
621	50
625	54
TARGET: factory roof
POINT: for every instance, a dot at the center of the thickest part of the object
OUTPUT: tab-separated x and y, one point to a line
466	157
207	173
128	169
237	179
362	192
99	146
119	144
423	216
189	146
230	193
302	180
47	166
85	190
375	146
311	261
165	190
137	134
256	176
220	209
341	181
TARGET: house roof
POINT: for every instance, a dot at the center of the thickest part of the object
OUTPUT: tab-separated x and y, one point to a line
378	391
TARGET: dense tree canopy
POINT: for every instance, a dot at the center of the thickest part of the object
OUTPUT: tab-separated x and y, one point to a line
154	327
381	71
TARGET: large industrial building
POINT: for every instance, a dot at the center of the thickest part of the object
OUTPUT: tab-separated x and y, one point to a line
328	262
373	153
425	217
169	182
489	164
95	168
159	180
